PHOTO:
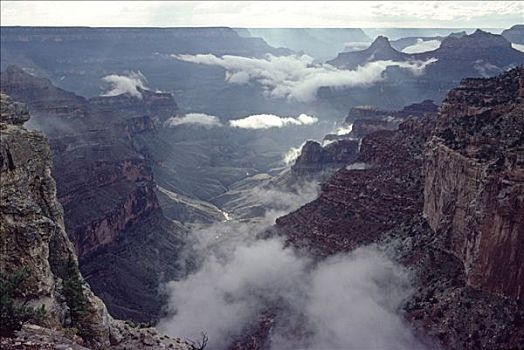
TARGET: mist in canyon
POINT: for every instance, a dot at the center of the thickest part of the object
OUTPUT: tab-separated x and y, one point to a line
268	187
348	301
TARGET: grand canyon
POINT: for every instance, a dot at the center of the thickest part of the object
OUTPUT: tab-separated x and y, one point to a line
261	187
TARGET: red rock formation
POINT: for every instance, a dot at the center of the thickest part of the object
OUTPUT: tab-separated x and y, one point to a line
468	182
474	181
356	206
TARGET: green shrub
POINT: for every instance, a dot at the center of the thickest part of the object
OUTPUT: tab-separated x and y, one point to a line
14	313
76	300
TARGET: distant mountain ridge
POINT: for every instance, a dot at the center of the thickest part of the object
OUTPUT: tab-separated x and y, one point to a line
515	34
320	43
467	49
379	50
480	54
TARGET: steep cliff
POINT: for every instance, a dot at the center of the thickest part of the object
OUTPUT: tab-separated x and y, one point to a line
358	203
106	186
474	180
444	197
35	245
315	158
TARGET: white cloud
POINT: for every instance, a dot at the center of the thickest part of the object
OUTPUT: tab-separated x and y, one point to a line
267	121
349	301
370	14
356	46
344	129
486	69
422	46
519	47
292	154
125	84
296	77
200	119
346	302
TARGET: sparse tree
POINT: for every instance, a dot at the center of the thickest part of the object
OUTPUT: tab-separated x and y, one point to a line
14	312
201	344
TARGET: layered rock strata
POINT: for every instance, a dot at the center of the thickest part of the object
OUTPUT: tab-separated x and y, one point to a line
33	239
444	197
106	186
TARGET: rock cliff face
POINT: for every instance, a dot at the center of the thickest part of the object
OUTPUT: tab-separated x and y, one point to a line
379	50
314	158
474	180
359	203
444	195
33	237
366	119
107	188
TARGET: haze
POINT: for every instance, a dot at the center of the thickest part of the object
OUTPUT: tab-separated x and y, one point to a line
252	14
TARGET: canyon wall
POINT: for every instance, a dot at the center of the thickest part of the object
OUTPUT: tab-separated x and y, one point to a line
474	180
106	186
443	195
33	240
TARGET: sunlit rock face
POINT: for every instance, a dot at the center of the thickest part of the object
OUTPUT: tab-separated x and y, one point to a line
474	180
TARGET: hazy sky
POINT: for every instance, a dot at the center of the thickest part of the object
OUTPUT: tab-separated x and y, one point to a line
377	14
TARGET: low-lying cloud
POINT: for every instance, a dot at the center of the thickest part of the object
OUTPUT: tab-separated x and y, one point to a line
486	69
198	119
344	129
296	77
348	301
422	46
292	154
267	121
356	46
519	47
125	84
256	121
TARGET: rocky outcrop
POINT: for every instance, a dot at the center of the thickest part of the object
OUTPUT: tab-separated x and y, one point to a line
33	239
379	50
363	127
315	158
106	186
366	119
474	181
480	54
358	204
32	230
419	109
444	197
365	112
